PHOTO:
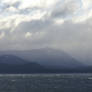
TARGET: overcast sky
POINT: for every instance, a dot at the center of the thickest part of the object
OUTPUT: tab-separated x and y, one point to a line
61	24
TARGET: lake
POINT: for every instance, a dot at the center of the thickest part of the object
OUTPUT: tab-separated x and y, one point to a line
46	83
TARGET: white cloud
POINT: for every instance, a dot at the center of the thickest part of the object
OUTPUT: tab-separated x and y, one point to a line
86	4
59	21
37	3
15	12
2	34
28	35
29	3
12	9
82	18
9	1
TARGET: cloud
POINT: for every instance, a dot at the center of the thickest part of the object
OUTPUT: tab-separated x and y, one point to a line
28	35
61	24
2	34
66	9
87	4
19	11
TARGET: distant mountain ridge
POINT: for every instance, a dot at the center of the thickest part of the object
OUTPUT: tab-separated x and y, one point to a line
13	64
47	57
13	60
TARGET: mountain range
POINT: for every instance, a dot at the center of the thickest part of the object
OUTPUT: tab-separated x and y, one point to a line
14	64
43	60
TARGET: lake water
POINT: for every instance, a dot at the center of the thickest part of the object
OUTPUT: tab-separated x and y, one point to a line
46	83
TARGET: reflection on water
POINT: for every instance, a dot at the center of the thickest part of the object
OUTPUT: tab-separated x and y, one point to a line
46	83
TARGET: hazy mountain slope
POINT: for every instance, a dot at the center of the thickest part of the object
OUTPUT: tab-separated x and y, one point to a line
11	59
48	57
14	64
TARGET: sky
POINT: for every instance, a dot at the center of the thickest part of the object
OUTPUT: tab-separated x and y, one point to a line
60	24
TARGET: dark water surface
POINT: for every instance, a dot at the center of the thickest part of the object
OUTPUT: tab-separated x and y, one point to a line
46	83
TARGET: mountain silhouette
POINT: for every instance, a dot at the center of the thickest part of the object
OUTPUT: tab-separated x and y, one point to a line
48	57
14	64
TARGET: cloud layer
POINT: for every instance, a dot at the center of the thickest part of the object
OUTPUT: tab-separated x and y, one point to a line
61	24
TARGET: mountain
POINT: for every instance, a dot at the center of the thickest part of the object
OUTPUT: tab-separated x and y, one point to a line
49	58
40	61
14	64
12	60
